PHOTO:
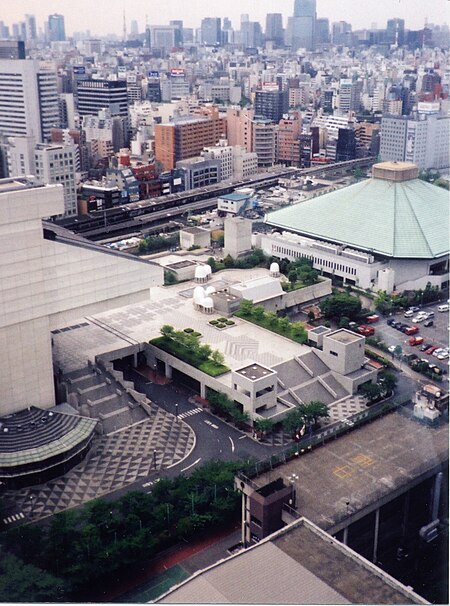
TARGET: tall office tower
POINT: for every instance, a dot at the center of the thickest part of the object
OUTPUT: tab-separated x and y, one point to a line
12	49
186	137
56	164
264	139
289	129
322	31
162	37
346	145
274	28
349	95
341	33
178	25
251	34
227	23
211	31
304	24
94	95
28	99
4	30
30	27
56	29
134	29
395	31
271	103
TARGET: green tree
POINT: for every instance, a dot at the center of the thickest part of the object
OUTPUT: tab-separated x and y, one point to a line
387	381
293	421
344	322
20	582
311	316
212	263
314	411
292	277
217	357
169	278
341	304
258	313
263	425
284	324
228	262
272	318
167	331
371	391
246	307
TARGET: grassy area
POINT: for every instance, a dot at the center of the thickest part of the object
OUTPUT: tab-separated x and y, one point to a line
158	585
294	331
189	356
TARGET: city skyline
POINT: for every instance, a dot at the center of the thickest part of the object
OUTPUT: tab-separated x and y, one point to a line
86	16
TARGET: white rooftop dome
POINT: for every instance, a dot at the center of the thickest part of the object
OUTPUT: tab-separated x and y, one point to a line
210	290
207	269
274	267
208	303
199	294
200	272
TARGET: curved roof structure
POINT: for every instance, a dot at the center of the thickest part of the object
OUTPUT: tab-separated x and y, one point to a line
402	219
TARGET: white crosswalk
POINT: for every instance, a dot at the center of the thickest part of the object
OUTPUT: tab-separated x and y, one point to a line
14	518
188	413
147	484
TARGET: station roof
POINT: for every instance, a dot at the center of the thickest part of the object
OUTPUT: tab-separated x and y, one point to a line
402	219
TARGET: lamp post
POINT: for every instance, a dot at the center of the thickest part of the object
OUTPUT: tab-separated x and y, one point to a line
154	458
176	411
293	479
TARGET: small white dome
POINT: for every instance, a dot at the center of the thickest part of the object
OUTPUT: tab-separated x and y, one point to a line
274	268
210	290
208	303
207	269
199	294
199	272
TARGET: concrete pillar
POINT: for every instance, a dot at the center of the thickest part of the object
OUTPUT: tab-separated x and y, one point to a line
375	537
345	537
168	370
202	390
135	360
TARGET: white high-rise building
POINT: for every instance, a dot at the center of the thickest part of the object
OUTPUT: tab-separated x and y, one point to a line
224	153
28	99
56	163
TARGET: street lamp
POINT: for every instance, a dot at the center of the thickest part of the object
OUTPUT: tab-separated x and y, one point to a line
154	458
176	411
293	479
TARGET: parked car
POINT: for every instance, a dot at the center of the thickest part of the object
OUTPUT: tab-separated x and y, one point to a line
437	352
415	341
367	331
414	309
428	323
404	327
419	318
411	330
391	322
425	346
443	355
408	313
443	307
401	326
430	314
391	348
431	350
372	319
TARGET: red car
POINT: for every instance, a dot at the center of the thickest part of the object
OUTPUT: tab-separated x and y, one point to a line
415	341
367	331
431	349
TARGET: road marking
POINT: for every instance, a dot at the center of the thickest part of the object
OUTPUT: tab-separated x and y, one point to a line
192	464
363	460
343	472
189	413
211	424
242	438
147	484
13	518
232	443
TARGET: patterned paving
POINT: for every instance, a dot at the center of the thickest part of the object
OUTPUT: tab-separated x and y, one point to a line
113	461
347	407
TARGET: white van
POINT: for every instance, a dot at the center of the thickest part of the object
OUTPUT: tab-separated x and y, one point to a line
443	307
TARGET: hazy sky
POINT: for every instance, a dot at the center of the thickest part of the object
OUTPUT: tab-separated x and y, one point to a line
106	16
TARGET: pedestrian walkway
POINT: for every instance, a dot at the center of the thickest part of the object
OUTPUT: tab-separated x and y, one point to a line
189	413
14	518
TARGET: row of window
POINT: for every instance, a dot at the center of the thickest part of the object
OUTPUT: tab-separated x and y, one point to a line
316	260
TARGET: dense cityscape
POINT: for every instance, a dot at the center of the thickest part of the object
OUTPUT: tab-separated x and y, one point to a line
224	305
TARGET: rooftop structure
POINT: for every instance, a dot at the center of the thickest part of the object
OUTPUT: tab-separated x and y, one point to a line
255	372
299	564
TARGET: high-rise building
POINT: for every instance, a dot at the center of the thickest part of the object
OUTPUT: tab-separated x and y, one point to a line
251	34
423	140
56	164
30	28
95	95
346	145
341	33
271	104
322	31
28	99
12	49
304	24
211	31
56	29
178	25
274	28
186	137
162	37
349	95
395	31
264	141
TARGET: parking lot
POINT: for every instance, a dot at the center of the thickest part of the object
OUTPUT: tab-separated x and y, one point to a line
437	335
